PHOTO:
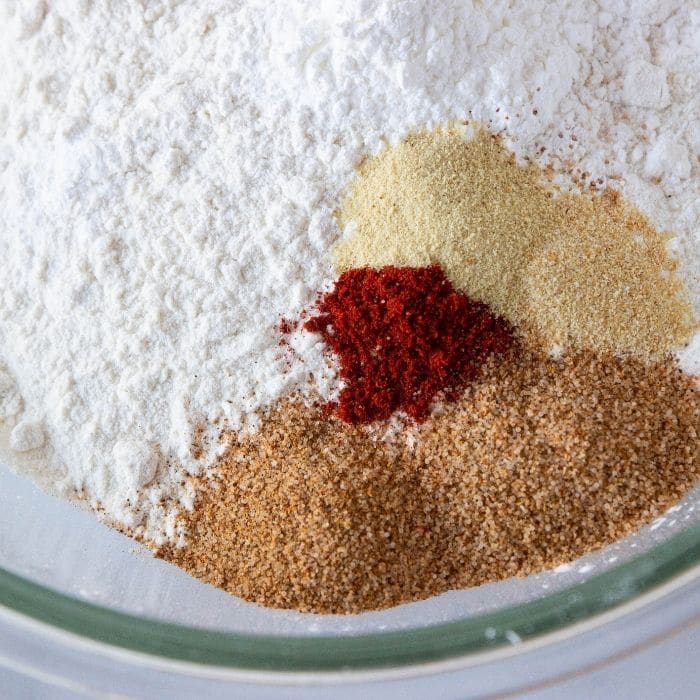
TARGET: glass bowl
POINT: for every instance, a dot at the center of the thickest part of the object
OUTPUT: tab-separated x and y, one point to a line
59	567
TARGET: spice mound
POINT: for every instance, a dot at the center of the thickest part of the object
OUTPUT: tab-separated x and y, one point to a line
540	461
401	335
583	270
519	456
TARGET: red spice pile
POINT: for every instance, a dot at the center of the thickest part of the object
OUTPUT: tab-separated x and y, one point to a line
401	336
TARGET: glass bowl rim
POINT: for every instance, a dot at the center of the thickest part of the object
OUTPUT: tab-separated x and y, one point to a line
465	638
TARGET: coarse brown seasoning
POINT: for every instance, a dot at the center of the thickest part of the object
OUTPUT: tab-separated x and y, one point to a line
541	461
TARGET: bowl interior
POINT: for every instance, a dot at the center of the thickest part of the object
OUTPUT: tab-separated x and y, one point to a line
59	565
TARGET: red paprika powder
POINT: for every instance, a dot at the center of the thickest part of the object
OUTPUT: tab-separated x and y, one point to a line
402	335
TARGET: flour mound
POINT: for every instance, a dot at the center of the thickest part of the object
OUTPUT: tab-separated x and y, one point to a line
169	172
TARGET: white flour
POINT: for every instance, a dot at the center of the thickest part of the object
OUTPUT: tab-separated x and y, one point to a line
168	173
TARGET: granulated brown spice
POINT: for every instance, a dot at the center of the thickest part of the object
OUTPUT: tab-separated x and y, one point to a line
541	461
196	446
582	270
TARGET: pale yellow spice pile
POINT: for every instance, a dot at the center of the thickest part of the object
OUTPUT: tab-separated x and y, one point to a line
582	270
540	461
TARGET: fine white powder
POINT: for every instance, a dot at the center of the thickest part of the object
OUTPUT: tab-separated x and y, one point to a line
169	171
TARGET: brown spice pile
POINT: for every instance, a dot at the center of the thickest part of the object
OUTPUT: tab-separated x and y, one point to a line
582	270
541	461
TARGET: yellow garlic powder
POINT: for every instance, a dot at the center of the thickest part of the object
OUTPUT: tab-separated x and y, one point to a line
579	269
